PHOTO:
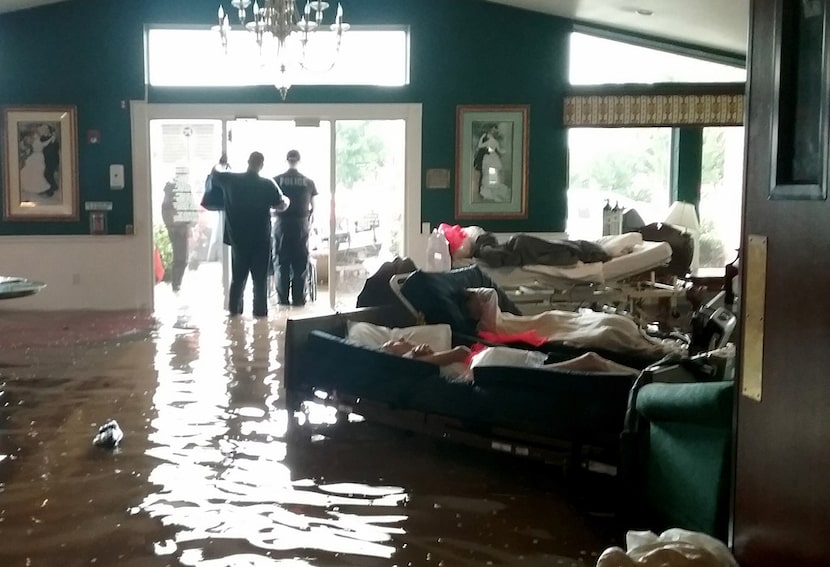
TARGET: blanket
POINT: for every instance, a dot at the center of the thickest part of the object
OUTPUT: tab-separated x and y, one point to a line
523	249
585	329
441	296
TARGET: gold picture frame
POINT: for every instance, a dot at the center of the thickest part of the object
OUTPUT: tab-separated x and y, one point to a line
40	161
491	162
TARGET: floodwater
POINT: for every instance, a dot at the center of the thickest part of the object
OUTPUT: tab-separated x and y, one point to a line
214	471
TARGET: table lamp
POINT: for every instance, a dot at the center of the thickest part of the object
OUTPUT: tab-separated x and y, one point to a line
683	215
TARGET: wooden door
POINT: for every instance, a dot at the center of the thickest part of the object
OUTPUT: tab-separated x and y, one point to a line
782	480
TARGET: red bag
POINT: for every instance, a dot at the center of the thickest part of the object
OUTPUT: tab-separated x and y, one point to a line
455	235
158	265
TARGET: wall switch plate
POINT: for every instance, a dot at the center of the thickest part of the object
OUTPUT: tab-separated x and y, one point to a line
116	176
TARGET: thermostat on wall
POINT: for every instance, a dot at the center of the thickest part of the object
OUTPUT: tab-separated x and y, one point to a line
116	176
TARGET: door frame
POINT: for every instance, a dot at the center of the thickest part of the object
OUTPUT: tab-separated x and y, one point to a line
141	112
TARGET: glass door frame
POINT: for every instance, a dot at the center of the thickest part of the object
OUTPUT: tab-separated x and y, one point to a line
142	113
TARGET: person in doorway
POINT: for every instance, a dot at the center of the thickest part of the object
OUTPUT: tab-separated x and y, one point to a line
291	231
248	200
178	227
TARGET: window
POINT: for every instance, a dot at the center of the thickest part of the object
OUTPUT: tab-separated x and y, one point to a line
632	166
629	167
598	61
195	58
721	195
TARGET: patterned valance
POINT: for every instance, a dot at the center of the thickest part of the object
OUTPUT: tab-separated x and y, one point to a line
654	110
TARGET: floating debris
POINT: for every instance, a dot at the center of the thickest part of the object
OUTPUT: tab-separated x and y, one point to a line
109	435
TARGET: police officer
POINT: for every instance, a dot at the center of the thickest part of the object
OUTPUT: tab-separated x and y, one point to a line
291	231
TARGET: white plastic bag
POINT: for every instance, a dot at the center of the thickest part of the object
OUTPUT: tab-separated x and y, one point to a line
438	253
673	548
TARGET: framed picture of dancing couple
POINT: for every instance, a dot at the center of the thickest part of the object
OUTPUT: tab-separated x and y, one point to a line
491	162
40	163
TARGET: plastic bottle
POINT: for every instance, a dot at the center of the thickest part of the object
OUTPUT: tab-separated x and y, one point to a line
616	219
606	218
438	253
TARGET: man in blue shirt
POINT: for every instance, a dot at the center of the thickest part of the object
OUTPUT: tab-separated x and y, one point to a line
248	200
291	231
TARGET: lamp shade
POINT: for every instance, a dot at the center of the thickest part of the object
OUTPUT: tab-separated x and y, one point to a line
683	215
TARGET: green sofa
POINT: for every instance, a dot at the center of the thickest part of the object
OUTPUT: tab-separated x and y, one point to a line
678	456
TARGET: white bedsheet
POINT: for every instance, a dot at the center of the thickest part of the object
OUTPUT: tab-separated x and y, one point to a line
643	257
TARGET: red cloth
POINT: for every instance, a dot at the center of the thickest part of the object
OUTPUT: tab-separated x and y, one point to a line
455	235
159	266
529	337
474	350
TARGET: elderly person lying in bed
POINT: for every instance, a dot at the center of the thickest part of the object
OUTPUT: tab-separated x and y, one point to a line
585	329
458	362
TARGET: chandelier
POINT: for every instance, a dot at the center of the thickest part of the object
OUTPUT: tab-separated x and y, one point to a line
280	25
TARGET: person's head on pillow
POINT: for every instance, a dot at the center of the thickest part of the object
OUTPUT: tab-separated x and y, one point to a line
482	305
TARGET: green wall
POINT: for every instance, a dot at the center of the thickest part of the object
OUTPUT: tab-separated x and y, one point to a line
462	52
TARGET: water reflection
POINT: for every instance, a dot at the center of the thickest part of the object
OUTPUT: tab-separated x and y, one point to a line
214	471
221	441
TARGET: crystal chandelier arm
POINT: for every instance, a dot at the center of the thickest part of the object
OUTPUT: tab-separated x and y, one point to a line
241	8
281	22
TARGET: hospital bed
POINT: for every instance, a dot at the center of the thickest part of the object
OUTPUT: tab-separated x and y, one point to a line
625	281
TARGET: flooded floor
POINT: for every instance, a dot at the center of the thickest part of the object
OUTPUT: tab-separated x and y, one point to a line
214	471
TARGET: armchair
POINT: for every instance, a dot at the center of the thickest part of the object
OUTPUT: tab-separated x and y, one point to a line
677	453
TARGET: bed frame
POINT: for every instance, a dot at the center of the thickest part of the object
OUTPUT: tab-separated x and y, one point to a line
570	453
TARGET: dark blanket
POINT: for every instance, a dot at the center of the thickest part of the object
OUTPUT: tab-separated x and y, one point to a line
523	249
440	296
376	291
682	247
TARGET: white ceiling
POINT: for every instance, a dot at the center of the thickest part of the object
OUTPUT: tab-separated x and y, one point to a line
718	24
12	5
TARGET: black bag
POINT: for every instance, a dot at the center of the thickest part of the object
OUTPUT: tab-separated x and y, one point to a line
213	199
682	247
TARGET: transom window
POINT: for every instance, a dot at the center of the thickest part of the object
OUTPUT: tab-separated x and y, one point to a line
195	58
597	61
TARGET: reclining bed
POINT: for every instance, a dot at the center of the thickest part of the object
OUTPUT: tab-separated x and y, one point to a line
643	258
626	278
561	416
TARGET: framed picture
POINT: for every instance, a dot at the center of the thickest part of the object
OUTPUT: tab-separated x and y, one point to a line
40	162
491	162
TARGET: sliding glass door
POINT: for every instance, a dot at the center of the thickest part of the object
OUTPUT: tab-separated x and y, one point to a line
359	164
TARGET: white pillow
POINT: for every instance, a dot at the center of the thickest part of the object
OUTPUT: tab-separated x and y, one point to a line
508	356
438	337
367	334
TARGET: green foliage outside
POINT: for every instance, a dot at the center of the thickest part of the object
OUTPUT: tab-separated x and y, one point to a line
162	243
714	148
711	247
360	152
637	170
